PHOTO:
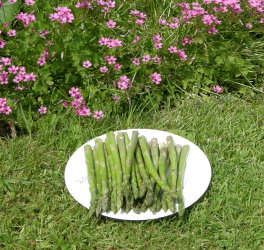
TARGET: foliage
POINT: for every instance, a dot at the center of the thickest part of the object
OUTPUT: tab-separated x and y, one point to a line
192	48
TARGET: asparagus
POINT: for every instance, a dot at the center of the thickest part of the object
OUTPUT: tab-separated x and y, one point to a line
173	162
98	180
162	172
178	150
91	178
117	168
152	170
142	170
122	150
134	185
182	163
109	163
104	179
141	185
129	159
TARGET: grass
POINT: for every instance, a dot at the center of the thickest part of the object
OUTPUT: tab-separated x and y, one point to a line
37	212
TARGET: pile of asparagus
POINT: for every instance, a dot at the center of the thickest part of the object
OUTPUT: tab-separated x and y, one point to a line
134	174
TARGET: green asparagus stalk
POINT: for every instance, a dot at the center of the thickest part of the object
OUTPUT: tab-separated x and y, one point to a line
118	168
91	178
162	172
129	159
104	178
151	169
141	186
182	163
98	180
134	185
173	162
122	150
142	169
178	149
109	163
113	174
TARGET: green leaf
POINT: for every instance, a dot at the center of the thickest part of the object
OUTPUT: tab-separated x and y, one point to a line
9	11
219	60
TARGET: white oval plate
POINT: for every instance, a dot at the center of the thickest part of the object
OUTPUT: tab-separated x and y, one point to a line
196	178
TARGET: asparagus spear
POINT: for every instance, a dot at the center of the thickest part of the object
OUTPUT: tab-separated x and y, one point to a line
109	164
142	169
182	163
154	148
162	172
113	174
141	185
152	170
117	166
91	178
173	162
122	150
98	180
105	190
134	185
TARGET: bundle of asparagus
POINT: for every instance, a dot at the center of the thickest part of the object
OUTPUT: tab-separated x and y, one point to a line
134	174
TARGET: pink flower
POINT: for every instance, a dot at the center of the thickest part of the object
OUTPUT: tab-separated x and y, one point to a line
87	64
157	59
162	21
156	78
186	41
29	2
42	110
217	89
13	69
182	55
63	15
25	18
249	25
136	40
261	20
115	97
98	114
11	33
158	45
146	58
4	108
142	15
111	60
134	12
104	41
136	61
31	77
111	24
157	38
65	104
105	9
12	1
140	21
41	61
2	44
111	4
212	30
73	91
103	69
6	60
117	66
172	49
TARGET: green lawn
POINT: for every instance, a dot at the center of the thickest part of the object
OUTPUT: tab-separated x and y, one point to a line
37	212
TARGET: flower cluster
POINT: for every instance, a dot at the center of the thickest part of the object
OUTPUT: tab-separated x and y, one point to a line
110	43
174	24
141	16
217	89
19	73
105	4
42	110
25	18
83	4
157	39
42	59
4	108
63	15
124	82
